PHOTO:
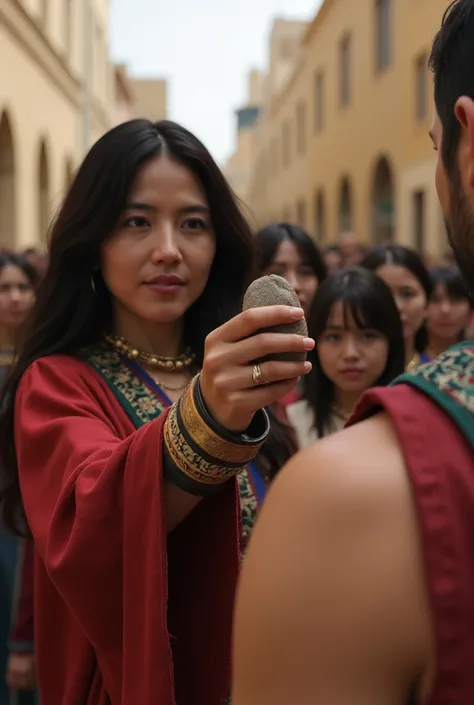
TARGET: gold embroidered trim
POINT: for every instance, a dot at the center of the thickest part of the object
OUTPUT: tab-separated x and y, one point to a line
187	460
206	439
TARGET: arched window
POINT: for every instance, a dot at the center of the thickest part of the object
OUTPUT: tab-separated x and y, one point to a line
383	202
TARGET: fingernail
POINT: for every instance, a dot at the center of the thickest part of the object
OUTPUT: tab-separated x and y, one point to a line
308	366
297	313
308	343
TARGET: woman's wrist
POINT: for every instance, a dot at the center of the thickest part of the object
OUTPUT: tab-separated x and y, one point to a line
200	456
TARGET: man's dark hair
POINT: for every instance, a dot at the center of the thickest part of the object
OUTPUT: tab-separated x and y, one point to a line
452	62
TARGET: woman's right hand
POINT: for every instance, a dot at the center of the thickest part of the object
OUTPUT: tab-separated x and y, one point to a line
227	385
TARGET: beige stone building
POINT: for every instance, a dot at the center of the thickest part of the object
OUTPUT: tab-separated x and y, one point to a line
342	136
58	92
138	97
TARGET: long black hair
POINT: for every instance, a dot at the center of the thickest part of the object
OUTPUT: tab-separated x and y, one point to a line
369	302
68	314
269	239
402	256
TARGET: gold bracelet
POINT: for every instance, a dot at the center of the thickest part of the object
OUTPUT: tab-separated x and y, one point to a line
198	451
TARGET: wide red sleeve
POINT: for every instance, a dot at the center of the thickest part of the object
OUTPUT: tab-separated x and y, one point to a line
92	489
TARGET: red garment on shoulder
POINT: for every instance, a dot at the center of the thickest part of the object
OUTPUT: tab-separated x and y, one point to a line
124	614
440	465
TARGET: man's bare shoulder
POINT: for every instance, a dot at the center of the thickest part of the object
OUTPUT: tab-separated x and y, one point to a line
333	581
361	464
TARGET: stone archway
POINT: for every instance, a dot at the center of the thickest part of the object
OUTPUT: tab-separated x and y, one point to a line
7	184
383	202
43	187
345	206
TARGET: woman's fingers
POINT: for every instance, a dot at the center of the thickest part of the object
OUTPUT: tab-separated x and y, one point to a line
264	344
235	379
249	322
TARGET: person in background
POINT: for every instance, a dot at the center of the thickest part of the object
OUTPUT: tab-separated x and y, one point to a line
358	584
409	280
351	250
449	310
333	258
18	280
285	249
359	344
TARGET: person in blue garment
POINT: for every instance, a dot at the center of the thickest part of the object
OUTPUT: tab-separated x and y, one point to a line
18	279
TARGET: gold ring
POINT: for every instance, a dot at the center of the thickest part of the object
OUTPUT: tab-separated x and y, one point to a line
257	377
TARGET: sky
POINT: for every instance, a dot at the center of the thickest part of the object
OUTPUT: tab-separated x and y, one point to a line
204	48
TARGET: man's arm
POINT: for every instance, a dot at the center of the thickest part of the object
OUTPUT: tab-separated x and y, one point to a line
332	607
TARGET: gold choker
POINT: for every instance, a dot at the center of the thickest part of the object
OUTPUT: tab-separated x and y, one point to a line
156	362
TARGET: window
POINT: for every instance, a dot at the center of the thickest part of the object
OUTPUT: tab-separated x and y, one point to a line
320	216
345	69
285	144
383	38
300	127
319	102
301	214
419	219
421	88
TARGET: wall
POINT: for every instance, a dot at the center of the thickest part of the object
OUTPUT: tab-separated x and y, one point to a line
376	132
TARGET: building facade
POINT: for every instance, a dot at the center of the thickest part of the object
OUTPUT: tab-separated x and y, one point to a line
137	97
58	93
343	138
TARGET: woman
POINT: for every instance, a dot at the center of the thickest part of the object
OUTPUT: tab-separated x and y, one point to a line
17	663
449	310
359	344
133	453
406	275
286	250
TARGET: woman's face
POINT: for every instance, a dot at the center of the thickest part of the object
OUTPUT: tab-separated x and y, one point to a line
409	296
289	264
16	297
447	316
352	358
157	262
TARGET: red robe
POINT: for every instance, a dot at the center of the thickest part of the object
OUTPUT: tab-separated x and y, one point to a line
124	614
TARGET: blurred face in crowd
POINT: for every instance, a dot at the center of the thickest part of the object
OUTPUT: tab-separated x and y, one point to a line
333	259
409	296
289	264
16	298
448	315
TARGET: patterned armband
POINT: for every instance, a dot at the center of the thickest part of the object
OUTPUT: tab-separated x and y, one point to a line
200	455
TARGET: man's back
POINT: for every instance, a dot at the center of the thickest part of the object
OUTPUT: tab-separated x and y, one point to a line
361	570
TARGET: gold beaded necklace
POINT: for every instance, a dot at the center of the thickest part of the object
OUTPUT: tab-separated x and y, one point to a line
414	362
156	362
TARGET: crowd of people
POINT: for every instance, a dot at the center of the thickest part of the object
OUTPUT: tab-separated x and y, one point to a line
145	419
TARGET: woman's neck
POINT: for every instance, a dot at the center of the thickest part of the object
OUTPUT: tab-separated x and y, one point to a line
436	345
410	350
7	338
344	402
162	339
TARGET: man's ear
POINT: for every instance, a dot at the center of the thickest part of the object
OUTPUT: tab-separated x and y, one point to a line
464	112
